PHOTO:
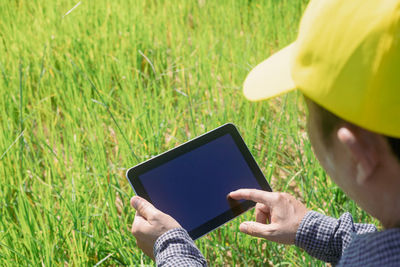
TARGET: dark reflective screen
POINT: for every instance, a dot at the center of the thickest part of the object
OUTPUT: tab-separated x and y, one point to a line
193	187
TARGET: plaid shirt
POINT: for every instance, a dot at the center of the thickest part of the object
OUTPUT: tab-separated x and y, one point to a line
339	241
176	248
343	242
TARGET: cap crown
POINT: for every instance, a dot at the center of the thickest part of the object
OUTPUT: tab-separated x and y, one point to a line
347	59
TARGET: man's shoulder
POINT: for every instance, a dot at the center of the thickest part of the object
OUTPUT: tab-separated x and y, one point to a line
372	249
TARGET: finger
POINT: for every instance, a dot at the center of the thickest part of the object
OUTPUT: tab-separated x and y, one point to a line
257	229
139	225
261	215
255	195
139	219
143	207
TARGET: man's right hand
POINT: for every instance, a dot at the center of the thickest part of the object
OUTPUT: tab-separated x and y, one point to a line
278	215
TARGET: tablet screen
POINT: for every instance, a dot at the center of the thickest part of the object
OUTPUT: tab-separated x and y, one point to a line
192	186
203	177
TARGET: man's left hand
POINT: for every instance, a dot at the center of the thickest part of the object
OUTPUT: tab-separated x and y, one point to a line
149	224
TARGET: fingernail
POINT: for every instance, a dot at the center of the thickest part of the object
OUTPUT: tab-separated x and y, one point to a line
135	202
243	227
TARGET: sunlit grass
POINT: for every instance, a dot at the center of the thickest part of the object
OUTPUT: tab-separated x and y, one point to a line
86	94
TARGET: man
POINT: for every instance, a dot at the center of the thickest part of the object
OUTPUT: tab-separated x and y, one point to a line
346	62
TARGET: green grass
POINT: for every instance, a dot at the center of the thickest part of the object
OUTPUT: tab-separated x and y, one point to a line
86	95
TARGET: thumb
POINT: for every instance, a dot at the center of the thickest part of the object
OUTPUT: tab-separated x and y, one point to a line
257	229
143	207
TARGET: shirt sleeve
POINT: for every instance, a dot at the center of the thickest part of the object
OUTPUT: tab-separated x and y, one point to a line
176	248
326	238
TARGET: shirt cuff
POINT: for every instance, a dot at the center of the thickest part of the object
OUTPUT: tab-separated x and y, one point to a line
315	235
175	246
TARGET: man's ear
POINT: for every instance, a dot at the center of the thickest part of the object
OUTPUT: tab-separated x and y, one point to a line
362	147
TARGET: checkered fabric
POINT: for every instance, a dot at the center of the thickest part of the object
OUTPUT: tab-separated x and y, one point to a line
330	239
338	241
374	249
176	248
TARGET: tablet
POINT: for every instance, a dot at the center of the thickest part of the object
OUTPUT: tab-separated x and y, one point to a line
191	182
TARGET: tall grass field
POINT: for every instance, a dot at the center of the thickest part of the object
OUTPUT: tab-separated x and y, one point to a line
91	88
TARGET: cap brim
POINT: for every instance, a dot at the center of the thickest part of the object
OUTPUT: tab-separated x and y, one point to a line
270	78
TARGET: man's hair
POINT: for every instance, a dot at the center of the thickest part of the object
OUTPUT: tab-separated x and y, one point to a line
330	121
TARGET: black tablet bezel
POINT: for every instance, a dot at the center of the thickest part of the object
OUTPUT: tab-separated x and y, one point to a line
133	173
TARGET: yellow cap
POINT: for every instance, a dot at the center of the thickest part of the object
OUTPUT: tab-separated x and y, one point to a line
346	58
